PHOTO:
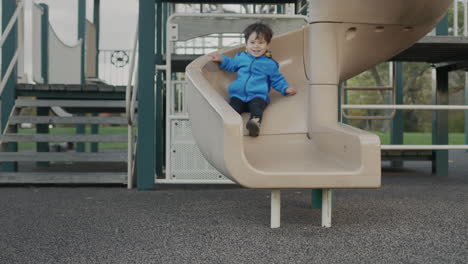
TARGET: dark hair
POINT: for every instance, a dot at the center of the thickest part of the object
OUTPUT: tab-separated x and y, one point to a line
261	30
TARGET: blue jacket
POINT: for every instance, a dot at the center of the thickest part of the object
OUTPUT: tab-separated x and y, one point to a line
255	76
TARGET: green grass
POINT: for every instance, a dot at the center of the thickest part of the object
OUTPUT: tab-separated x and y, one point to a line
414	138
69	130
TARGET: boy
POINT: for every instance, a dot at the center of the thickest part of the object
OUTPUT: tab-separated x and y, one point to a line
256	73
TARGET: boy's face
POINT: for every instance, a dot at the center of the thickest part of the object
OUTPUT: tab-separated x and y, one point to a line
256	46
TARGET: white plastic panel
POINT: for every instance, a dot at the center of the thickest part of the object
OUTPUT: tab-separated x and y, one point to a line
187	162
64	60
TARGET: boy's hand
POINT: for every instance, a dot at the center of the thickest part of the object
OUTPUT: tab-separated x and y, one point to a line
216	57
291	91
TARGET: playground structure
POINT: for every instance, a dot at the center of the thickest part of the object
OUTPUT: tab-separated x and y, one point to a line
302	144
172	156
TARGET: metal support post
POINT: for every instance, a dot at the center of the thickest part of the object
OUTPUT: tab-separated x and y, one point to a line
97	21
146	95
161	18
397	123
80	129
82	34
95	131
440	123
440	118
7	98
316	197
45	43
42	129
44	111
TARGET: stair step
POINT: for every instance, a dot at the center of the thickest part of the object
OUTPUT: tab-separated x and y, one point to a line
64	156
63	177
70	103
62	138
111	120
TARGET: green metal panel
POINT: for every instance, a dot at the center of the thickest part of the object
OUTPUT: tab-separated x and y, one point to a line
44	111
82	34
45	43
397	123
7	98
97	21
339	101
165	14
95	131
408	158
345	101
440	123
161	20
146	96
442	27
42	129
316	198
280	9
440	118
80	129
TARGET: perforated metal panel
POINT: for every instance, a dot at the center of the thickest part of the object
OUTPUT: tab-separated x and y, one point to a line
187	162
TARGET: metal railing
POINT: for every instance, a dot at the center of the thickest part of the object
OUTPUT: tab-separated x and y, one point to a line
394	107
391	87
413	107
130	107
179	103
4	79
207	44
232	8
214	42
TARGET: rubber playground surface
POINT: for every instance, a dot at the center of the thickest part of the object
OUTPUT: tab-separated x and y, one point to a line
415	217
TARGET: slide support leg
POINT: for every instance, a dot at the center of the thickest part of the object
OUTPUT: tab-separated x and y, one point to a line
275	208
326	207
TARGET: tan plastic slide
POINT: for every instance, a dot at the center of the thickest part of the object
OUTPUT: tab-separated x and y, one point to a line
302	144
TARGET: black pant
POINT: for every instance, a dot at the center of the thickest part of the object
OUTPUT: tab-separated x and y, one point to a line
255	106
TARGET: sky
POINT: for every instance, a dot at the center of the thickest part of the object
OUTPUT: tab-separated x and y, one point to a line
118	20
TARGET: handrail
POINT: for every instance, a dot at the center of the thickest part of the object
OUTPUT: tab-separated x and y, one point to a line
408	107
14	60
11	23
424	147
130	101
9	70
391	88
130	92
